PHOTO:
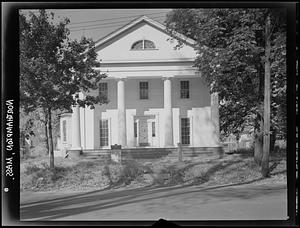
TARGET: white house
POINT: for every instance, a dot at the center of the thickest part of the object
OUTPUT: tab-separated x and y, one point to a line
156	97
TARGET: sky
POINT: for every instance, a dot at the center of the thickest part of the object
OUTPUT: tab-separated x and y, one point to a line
97	23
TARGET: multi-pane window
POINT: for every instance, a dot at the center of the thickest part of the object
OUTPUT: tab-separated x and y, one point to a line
139	45
64	127
148	44
144	89
143	45
153	129
185	131
135	129
184	89
103	90
103	132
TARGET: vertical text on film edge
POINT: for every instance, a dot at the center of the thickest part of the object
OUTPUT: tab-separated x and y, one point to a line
9	138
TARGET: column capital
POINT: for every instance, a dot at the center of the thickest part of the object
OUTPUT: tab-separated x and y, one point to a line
121	79
166	78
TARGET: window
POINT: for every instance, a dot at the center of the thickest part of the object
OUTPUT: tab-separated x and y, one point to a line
135	129
144	90
103	90
139	45
64	127
103	133
143	45
148	44
185	131
153	129
184	89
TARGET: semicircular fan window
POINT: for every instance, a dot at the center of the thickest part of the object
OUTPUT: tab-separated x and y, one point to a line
143	45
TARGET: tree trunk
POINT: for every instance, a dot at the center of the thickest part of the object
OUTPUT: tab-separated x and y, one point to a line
47	137
46	130
272	141
258	137
266	142
258	146
51	154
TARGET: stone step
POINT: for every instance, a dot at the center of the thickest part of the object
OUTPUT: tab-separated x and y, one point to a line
154	153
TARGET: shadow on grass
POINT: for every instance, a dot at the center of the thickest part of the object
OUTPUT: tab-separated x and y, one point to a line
177	176
51	208
108	198
114	186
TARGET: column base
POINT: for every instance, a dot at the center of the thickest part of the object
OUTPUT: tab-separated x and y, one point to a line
169	146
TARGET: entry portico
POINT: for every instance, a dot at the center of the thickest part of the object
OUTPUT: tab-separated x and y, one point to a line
142	121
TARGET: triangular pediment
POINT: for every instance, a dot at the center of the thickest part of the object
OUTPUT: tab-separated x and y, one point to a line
138	22
117	46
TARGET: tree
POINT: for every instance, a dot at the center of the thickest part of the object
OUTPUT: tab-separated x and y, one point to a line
266	139
230	46
35	123
54	69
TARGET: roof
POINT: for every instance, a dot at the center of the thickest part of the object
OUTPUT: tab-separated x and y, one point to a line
137	21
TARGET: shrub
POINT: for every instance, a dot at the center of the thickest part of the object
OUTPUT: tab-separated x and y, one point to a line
31	169
147	169
130	172
176	176
202	178
42	176
249	151
169	176
106	172
159	181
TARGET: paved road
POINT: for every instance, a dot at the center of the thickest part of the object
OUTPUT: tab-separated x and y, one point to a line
257	202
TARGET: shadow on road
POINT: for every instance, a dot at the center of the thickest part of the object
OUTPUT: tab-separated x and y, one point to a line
100	200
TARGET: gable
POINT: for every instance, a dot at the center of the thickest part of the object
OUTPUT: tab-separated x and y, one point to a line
118	48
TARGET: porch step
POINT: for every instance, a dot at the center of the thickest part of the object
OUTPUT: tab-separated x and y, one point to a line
145	153
197	151
103	153
155	153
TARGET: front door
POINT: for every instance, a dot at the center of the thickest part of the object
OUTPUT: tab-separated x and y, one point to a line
143	132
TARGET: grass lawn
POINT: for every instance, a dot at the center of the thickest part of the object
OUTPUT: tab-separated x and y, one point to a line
80	174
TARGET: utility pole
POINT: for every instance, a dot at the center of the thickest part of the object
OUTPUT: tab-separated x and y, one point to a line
267	109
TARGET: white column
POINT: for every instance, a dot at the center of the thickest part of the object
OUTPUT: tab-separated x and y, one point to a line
214	102
76	137
89	128
121	113
168	127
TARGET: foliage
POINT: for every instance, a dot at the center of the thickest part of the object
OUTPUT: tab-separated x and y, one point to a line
130	172
55	69
42	175
34	122
175	175
230	56
95	174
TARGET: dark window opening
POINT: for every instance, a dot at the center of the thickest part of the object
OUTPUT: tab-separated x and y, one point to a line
184	89
144	90
143	45
64	123
103	90
135	129
153	129
185	131
103	132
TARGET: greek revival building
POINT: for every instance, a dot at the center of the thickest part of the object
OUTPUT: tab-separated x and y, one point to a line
156	98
